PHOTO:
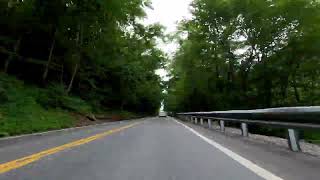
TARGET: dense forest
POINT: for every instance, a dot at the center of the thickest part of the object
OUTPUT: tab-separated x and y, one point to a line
246	54
77	55
95	56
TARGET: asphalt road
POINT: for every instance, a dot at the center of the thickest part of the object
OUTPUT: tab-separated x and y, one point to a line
154	149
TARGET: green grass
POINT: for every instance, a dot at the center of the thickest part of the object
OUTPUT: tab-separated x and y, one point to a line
27	109
312	136
22	121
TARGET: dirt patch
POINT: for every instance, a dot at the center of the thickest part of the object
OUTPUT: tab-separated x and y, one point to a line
83	120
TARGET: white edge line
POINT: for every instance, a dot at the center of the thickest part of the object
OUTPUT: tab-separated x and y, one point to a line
246	163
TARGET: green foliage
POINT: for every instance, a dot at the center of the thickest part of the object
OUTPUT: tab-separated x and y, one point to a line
29	117
96	50
56	96
244	54
75	56
53	96
4	134
3	95
312	136
23	114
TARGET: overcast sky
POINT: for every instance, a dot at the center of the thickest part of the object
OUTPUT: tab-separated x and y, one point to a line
168	13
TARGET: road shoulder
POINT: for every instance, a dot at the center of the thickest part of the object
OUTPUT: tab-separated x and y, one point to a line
278	160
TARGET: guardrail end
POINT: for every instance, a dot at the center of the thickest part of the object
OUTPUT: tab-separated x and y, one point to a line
209	123
244	129
222	128
293	140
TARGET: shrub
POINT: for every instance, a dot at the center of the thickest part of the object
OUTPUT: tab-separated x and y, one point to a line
55	96
3	95
27	110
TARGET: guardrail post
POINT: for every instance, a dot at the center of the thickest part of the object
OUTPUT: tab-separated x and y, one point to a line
293	140
209	123
222	128
244	129
196	120
201	121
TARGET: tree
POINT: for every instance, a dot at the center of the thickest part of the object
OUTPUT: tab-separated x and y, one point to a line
94	49
242	54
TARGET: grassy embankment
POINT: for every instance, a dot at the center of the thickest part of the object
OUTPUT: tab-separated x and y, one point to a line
28	109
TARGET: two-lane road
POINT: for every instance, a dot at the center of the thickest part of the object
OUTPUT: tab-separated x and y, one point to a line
154	149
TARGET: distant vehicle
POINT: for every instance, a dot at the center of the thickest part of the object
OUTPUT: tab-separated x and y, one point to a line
162	114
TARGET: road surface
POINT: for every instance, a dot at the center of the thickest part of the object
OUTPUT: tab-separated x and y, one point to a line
149	149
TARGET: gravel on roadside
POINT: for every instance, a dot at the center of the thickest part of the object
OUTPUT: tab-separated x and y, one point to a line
306	147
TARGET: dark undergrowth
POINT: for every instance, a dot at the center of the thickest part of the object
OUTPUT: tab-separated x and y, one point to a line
28	109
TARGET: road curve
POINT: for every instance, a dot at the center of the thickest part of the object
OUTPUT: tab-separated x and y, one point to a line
154	149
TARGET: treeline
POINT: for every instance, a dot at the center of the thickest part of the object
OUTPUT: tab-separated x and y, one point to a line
95	49
244	54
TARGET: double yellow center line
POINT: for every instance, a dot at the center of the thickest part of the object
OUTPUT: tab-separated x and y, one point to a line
11	165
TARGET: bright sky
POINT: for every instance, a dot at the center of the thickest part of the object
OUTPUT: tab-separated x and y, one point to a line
168	13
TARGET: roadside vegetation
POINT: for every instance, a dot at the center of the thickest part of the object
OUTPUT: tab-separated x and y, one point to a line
26	109
60	57
23	109
244	54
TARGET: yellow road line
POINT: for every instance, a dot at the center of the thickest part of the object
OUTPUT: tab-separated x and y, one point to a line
11	165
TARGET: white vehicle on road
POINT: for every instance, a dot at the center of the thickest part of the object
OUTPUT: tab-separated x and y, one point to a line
162	114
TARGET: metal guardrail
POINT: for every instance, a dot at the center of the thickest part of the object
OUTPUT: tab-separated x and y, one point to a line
291	118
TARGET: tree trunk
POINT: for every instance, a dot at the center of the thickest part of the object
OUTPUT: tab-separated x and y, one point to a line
11	56
217	73
296	91
231	68
72	78
122	105
244	82
61	75
268	92
284	82
267	83
45	73
312	89
46	70
246	68
79	43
